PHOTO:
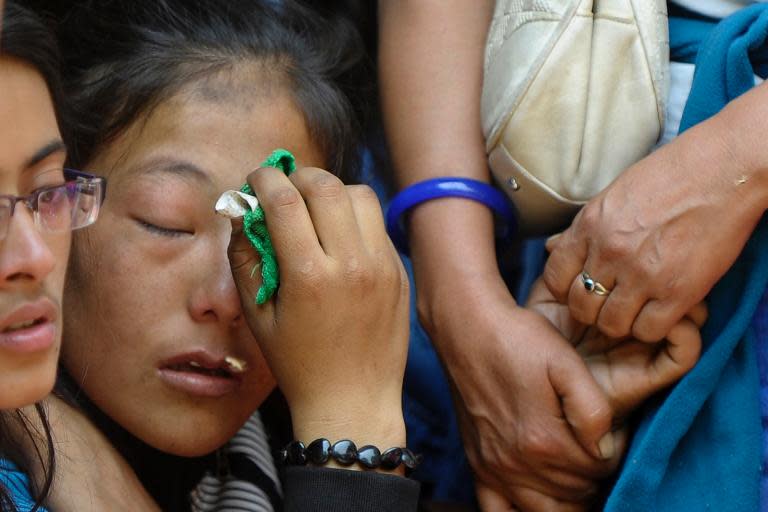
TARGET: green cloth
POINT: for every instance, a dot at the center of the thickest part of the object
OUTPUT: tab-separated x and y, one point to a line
255	228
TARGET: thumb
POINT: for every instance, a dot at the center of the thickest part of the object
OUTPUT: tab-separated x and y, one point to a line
245	263
490	500
586	408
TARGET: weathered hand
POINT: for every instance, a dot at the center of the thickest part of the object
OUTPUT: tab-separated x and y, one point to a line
532	416
628	371
336	333
659	237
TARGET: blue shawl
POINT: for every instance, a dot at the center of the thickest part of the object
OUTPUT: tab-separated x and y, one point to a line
699	447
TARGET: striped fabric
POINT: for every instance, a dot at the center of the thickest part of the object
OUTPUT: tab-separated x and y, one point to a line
246	479
17	483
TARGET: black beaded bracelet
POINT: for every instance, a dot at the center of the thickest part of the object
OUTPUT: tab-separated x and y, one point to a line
320	451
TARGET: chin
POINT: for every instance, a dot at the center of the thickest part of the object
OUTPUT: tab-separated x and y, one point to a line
183	431
25	387
194	441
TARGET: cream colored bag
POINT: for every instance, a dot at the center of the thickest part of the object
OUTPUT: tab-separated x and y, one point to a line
574	92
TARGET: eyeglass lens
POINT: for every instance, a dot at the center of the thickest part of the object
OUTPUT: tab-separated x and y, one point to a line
73	205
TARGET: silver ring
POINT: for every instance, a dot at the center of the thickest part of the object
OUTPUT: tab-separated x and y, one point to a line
593	286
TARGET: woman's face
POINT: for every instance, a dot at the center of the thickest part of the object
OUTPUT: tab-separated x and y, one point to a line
153	310
32	262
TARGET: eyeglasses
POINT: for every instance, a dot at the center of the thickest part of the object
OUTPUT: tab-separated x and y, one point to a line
59	208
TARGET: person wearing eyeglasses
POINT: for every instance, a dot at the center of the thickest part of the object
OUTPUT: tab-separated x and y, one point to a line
40	204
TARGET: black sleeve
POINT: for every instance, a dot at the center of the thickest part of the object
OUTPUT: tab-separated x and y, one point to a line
313	489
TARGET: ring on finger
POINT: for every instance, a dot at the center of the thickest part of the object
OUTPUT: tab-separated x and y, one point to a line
593	286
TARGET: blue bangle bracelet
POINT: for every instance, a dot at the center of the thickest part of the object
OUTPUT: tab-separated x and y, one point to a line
437	188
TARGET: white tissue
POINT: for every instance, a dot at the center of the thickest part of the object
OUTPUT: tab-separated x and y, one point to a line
234	204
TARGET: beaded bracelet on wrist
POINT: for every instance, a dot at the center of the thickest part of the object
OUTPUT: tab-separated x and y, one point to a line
320	451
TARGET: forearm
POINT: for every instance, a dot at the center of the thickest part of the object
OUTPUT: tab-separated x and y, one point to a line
431	70
431	57
743	129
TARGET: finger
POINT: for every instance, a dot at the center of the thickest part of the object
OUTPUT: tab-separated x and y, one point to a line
331	211
595	343
619	311
561	484
549	245
491	500
370	218
243	258
585	406
698	314
566	260
680	353
656	319
246	271
534	501
288	221
584	301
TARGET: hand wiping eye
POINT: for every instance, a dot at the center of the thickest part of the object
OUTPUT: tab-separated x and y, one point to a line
236	204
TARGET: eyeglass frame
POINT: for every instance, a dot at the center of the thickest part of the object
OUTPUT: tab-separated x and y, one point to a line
70	176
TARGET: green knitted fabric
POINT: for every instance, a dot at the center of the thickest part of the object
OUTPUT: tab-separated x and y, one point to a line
255	228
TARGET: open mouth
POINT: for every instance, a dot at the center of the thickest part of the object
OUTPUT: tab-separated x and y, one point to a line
30	327
203	374
195	367
24	325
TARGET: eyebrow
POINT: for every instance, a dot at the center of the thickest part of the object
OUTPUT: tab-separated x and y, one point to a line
174	167
44	152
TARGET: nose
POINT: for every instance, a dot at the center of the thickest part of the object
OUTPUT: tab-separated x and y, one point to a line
216	298
24	256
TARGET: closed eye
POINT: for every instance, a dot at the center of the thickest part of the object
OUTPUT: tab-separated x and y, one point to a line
163	231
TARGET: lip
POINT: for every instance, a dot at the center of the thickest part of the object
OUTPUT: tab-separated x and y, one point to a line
38	337
199	384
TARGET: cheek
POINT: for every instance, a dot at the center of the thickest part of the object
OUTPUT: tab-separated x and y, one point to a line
59	245
109	301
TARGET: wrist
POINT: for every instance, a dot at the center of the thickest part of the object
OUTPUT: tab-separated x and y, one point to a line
375	424
481	302
743	157
451	267
383	428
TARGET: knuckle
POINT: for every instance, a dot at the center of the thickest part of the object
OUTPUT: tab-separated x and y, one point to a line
324	184
363	193
612	326
588	219
283	197
554	278
616	248
615	331
310	275
364	197
646	332
359	274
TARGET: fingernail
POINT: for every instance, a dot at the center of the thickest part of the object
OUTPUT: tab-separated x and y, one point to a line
607	446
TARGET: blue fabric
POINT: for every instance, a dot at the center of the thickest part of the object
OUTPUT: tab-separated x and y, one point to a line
17	483
760	326
431	423
700	447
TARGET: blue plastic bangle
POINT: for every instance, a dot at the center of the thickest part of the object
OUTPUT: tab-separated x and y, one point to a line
437	188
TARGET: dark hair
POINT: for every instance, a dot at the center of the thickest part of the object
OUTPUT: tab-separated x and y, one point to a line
123	58
25	37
